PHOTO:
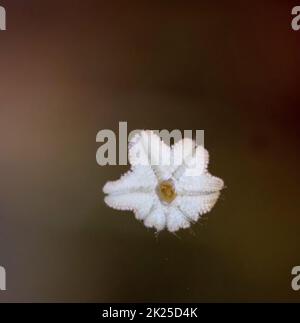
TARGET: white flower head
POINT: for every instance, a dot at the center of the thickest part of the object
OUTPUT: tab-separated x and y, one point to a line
167	187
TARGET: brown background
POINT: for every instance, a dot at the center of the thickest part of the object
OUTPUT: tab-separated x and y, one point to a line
71	68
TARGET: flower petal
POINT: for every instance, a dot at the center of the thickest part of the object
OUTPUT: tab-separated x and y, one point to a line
181	150
157	218
146	148
139	178
140	203
176	220
193	160
193	206
199	184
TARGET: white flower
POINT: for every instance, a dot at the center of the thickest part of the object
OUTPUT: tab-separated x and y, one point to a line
167	187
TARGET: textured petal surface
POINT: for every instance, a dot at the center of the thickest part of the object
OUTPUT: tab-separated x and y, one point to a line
197	163
199	184
146	148
180	152
194	206
194	160
140	203
140	178
176	219
157	218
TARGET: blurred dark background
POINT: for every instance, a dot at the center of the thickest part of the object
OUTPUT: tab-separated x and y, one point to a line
71	68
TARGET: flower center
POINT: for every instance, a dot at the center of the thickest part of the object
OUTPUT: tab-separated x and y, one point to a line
166	191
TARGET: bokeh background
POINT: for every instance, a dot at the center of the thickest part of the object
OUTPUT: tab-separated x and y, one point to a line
71	68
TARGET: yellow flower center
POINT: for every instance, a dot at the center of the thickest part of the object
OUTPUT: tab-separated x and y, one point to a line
166	191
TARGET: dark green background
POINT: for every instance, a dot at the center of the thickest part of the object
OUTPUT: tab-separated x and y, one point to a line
71	68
